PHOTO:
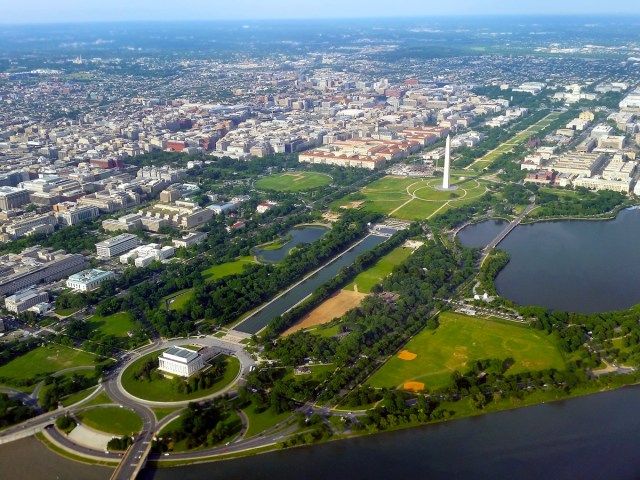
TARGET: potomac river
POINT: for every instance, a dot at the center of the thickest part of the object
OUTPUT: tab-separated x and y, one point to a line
591	437
584	266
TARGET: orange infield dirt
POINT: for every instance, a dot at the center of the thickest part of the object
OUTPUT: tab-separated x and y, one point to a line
407	355
414	386
335	306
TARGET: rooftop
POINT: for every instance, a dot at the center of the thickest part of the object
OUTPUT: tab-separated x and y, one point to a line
182	353
89	275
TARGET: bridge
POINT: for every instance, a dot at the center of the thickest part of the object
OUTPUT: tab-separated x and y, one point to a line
134	459
503	234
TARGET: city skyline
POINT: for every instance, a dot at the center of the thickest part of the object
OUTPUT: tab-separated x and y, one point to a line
72	11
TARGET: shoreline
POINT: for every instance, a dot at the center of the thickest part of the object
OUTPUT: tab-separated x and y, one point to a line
504	405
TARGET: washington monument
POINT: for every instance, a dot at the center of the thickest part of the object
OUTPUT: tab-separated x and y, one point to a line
447	164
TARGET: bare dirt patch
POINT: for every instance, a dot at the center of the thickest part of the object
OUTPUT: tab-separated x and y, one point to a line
335	306
407	355
413	386
353	205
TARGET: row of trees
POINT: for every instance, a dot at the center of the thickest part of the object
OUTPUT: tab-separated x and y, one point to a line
345	275
584	203
13	411
201	425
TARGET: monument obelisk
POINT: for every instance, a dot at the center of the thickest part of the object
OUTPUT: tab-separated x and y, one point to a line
447	164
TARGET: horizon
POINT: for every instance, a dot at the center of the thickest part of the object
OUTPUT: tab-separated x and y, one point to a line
41	12
617	15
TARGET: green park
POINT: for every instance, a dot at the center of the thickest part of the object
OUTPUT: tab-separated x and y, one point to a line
26	370
411	198
118	324
365	281
143	380
118	421
433	355
293	182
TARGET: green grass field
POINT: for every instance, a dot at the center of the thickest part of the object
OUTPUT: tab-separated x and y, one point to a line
324	331
161	412
259	422
163	390
462	339
383	267
117	324
65	312
119	421
180	299
414	198
78	396
293	182
44	360
100	399
225	269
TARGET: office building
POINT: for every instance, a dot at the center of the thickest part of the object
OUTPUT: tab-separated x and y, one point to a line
73	216
12	198
116	245
88	279
35	265
22	301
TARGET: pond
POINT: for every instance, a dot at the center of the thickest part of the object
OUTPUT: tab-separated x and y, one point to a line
296	236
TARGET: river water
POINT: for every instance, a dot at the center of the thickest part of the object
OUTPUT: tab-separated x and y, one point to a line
260	320
298	236
481	234
592	437
574	265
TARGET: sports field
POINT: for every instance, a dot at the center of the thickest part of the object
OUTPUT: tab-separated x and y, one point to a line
293	182
413	198
514	141
432	355
365	281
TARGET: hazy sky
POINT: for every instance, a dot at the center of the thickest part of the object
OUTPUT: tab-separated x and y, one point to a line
53	11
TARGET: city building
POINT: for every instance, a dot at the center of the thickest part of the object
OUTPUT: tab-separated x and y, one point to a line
584	164
109	202
128	223
35	265
117	245
76	215
145	254
88	279
596	183
180	361
190	239
28	225
24	300
12	198
184	216
223	207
